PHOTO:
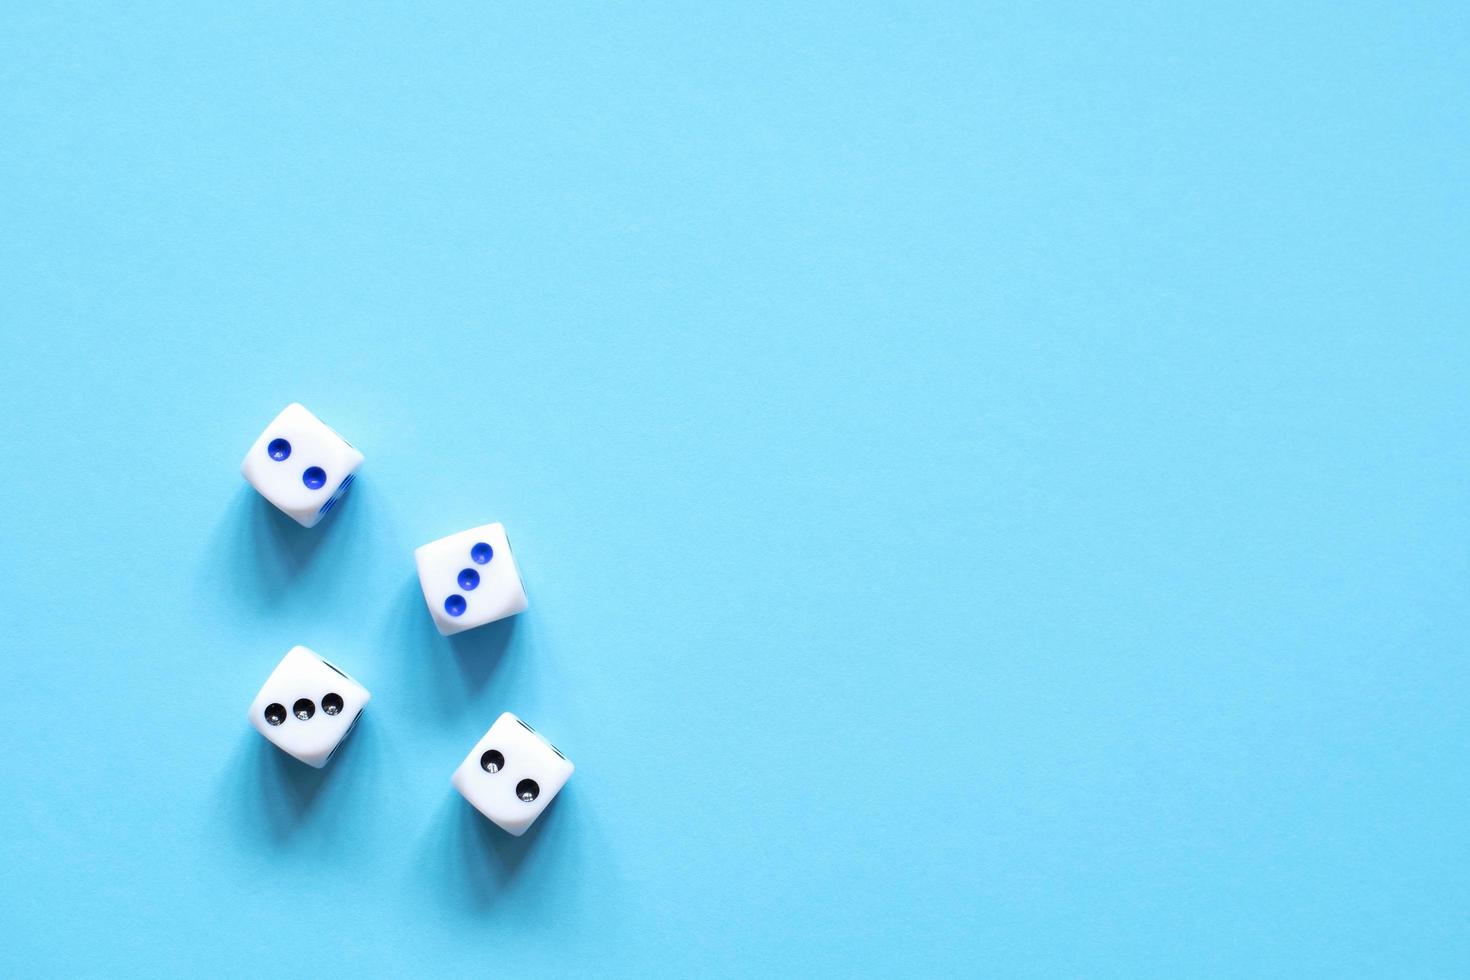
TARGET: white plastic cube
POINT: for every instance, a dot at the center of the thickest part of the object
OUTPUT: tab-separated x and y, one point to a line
512	774
301	465
307	707
470	579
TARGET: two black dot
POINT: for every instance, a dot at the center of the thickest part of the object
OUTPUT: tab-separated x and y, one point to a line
303	709
469	579
314	476
526	790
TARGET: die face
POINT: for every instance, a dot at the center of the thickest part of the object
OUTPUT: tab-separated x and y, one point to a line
470	579
512	774
301	465
307	707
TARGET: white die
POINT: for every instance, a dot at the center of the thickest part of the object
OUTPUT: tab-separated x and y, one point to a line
301	465
308	707
512	774
470	579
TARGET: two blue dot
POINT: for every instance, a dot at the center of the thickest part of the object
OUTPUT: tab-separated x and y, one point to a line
480	554
314	477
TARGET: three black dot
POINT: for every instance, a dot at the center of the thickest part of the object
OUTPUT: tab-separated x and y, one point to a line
480	554
303	709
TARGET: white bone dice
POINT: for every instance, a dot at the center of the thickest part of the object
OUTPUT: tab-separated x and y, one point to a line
308	706
470	579
512	774
301	465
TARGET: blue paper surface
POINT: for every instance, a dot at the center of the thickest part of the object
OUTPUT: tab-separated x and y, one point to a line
990	481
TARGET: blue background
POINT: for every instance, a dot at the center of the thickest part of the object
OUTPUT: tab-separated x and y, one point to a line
990	481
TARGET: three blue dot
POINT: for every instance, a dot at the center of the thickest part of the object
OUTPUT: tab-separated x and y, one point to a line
279	449
480	554
315	477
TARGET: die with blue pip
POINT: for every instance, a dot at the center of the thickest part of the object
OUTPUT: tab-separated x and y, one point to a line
470	579
301	465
